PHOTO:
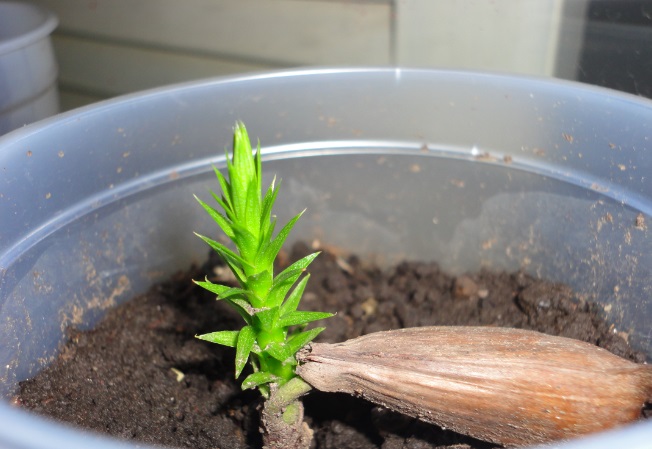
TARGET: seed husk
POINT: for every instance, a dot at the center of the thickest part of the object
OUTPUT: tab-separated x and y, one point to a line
507	386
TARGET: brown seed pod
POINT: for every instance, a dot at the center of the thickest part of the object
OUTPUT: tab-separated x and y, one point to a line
507	386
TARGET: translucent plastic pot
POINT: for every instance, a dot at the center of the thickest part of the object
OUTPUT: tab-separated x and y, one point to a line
467	169
28	68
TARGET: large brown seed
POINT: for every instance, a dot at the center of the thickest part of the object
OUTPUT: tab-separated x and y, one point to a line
507	386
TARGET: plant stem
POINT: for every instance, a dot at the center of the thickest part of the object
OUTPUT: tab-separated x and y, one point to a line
283	425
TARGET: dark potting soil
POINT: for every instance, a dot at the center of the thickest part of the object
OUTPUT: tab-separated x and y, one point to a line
141	375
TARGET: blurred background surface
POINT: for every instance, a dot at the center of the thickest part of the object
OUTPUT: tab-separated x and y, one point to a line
111	47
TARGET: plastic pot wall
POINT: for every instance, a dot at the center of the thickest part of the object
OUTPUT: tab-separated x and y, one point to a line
471	170
28	68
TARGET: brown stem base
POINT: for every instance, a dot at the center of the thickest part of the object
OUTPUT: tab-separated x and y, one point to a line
282	417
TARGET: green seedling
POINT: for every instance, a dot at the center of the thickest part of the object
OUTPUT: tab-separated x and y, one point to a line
274	329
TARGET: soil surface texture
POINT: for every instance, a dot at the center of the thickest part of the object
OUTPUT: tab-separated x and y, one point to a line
141	375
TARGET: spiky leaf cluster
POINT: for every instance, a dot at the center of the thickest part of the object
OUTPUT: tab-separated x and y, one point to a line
274	329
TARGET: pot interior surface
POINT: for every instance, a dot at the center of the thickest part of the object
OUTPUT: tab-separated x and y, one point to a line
469	170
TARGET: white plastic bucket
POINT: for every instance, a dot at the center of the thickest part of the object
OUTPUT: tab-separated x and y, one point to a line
97	202
28	68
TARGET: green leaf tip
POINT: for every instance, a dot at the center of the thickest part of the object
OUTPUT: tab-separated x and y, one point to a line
256	379
244	345
225	338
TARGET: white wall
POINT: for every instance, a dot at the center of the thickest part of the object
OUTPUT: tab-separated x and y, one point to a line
110	47
536	37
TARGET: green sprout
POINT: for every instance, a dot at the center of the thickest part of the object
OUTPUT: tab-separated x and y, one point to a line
274	330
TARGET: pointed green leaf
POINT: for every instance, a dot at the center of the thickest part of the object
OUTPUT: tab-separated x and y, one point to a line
293	299
257	379
264	391
243	157
241	308
225	338
266	236
282	285
226	253
252	210
227	209
223	222
235	291
302	317
270	198
268	318
226	189
260	284
301	263
241	170
243	303
286	279
218	289
288	275
244	344
236	269
222	291
264	276
301	339
280	352
268	255
280	289
266	207
246	242
220	219
238	190
259	168
263	388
